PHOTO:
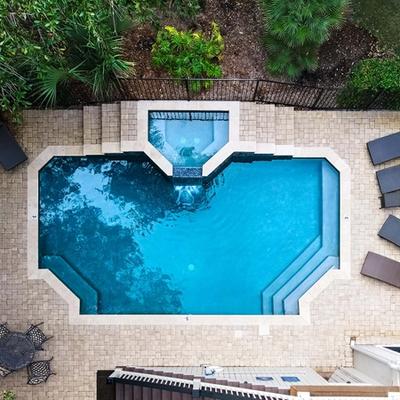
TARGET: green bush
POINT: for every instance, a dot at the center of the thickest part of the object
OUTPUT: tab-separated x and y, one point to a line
8	395
153	10
294	31
368	79
44	44
188	54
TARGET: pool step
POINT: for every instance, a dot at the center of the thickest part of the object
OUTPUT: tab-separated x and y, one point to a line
72	279
111	128
91	130
287	274
308	273
291	302
304	271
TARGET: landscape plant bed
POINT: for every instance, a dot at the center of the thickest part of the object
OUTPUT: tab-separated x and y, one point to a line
241	24
73	73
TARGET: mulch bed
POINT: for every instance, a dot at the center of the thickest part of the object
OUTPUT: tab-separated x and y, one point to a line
241	24
340	53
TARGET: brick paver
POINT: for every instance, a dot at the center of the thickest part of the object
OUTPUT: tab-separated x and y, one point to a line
357	307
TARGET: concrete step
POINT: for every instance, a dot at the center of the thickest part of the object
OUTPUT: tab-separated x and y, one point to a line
91	130
287	274
128	125
265	126
111	128
284	125
248	122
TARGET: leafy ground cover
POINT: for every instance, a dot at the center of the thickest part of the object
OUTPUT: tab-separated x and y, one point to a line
381	18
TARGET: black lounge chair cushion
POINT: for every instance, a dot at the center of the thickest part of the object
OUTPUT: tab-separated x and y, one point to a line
382	268
385	148
391	199
389	179
11	153
391	230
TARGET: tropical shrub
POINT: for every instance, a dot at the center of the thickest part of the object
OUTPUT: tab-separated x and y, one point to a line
294	31
188	54
8	395
151	10
45	44
369	78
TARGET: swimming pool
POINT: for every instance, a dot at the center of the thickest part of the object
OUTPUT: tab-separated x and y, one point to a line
128	240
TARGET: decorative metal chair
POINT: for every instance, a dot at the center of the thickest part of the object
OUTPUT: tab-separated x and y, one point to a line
37	336
4	372
39	372
4	331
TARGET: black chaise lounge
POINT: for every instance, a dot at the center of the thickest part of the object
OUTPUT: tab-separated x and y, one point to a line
389	179
391	230
11	153
382	268
385	148
391	199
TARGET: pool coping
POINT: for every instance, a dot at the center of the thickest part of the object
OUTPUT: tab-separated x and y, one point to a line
262	321
143	109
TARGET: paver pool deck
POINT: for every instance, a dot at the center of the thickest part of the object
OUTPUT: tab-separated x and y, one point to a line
360	307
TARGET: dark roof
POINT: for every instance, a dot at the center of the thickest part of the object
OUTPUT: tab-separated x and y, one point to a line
146	384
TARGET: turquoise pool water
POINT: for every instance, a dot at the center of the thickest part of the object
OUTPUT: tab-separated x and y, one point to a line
188	138
128	240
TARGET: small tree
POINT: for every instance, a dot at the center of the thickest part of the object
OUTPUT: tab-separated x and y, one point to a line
294	31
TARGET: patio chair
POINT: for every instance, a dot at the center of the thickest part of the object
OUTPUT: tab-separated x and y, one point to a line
4	372
389	179
11	153
4	331
391	199
391	230
37	336
39	372
382	268
385	148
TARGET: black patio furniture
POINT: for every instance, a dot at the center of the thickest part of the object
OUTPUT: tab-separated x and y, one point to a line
385	148
4	372
382	268
4	331
39	372
389	179
11	153
391	199
391	230
16	351
37	336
